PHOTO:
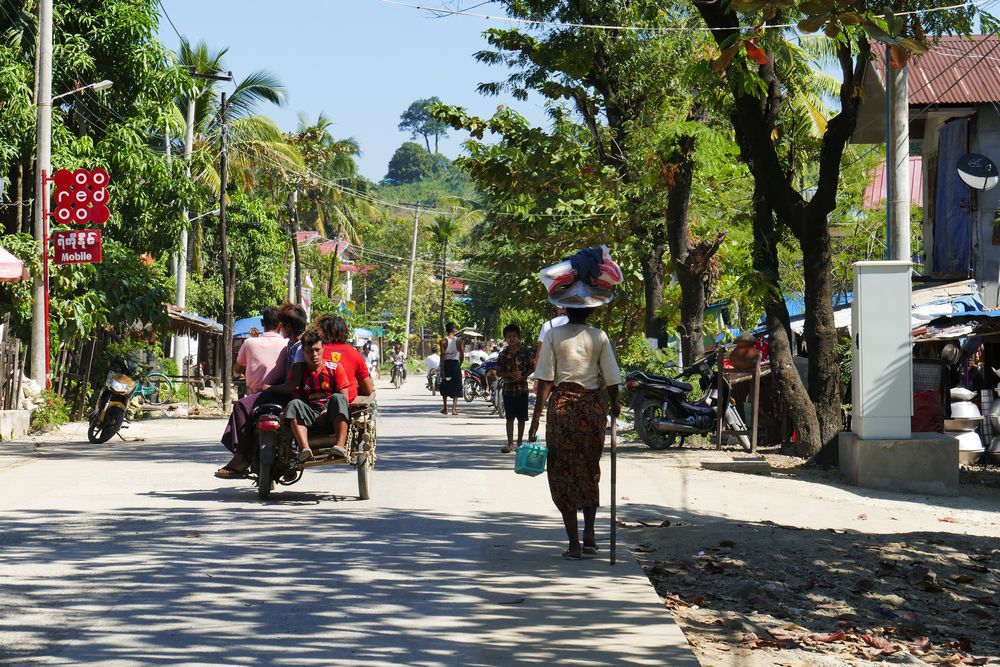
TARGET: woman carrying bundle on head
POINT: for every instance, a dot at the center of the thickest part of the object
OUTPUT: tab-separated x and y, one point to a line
576	364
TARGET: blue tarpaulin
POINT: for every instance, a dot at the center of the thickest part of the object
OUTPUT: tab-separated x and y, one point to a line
241	328
951	204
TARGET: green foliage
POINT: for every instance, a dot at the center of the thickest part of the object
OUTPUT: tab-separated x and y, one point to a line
52	413
204	295
529	321
418	121
636	354
410	164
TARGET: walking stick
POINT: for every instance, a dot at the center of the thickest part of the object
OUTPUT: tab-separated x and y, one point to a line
614	494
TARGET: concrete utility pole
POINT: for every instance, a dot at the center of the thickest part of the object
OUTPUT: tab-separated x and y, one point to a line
295	275
43	165
409	289
180	299
227	272
897	161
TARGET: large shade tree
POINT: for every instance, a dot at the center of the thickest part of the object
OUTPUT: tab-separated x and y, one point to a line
763	71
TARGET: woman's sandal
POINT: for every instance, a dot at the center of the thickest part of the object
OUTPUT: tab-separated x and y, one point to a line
229	472
571	554
590	550
445	412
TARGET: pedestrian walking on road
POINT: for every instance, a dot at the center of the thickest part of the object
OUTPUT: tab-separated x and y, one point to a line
452	357
514	365
575	363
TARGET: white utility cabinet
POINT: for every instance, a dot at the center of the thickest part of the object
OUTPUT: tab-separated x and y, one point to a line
882	359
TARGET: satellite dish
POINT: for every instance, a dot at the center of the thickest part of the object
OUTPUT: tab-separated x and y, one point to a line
978	171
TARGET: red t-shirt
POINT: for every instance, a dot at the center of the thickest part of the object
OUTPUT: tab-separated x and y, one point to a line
354	364
318	386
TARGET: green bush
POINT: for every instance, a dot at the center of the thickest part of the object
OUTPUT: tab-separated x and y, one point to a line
52	413
635	354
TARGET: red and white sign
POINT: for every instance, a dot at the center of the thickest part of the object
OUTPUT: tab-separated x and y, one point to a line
77	247
81	196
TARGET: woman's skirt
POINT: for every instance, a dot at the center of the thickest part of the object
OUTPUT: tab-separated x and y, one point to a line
574	434
451	378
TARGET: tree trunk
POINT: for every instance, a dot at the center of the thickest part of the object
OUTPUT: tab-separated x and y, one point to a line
436	143
427	142
820	334
197	241
692	259
793	392
652	283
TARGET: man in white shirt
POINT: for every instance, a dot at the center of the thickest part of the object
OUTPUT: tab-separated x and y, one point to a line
557	321
478	355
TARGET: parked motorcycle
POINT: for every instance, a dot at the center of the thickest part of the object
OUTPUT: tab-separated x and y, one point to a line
397	374
434	381
475	384
109	412
663	414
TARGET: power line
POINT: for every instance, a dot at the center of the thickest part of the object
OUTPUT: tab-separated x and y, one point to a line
442	11
170	20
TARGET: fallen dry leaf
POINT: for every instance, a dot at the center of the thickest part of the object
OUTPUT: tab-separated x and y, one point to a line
882	644
948	519
837	636
781	635
862	517
961	579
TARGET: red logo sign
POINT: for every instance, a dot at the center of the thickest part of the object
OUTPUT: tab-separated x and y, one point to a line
77	247
81	196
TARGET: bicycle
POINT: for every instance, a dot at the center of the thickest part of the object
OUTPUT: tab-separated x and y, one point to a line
154	388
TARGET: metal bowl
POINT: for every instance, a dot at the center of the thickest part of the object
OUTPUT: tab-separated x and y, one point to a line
965	410
967	424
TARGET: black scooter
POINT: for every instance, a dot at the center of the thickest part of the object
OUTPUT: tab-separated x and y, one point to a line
663	414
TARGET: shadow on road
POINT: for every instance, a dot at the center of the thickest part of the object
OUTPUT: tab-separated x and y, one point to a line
269	585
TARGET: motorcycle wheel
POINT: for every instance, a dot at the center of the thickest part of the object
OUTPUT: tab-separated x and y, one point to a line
468	391
99	433
265	483
646	414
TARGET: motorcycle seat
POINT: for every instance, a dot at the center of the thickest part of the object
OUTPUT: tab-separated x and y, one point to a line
700	410
272	408
652	378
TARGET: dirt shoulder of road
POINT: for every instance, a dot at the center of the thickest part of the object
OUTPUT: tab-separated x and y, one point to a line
752	593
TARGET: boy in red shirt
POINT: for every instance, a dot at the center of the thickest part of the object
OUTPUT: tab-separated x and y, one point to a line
320	405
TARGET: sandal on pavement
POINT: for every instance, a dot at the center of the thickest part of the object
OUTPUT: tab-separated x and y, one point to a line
507	450
572	554
305	455
229	472
445	411
589	550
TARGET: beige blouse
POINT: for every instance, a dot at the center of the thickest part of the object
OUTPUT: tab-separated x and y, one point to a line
578	353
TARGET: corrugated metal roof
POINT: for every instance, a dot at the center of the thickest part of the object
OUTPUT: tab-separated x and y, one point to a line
875	192
958	70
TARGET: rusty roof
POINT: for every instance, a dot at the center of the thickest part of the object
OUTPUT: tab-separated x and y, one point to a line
957	70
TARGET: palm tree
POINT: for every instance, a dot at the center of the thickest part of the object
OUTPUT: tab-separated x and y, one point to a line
330	179
254	139
443	230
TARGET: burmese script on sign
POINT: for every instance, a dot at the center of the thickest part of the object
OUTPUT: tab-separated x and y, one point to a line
77	247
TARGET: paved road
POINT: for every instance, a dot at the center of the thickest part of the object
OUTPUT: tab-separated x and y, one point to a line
133	554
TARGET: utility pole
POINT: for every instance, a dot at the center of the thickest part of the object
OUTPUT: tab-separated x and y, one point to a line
293	221
897	161
227	271
409	289
182	257
43	165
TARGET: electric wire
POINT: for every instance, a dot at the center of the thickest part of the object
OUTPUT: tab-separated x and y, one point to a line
443	11
170	20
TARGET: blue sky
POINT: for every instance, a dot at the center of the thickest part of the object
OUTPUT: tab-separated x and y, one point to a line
360	61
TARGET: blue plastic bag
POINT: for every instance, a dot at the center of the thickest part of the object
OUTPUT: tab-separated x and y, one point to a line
530	459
